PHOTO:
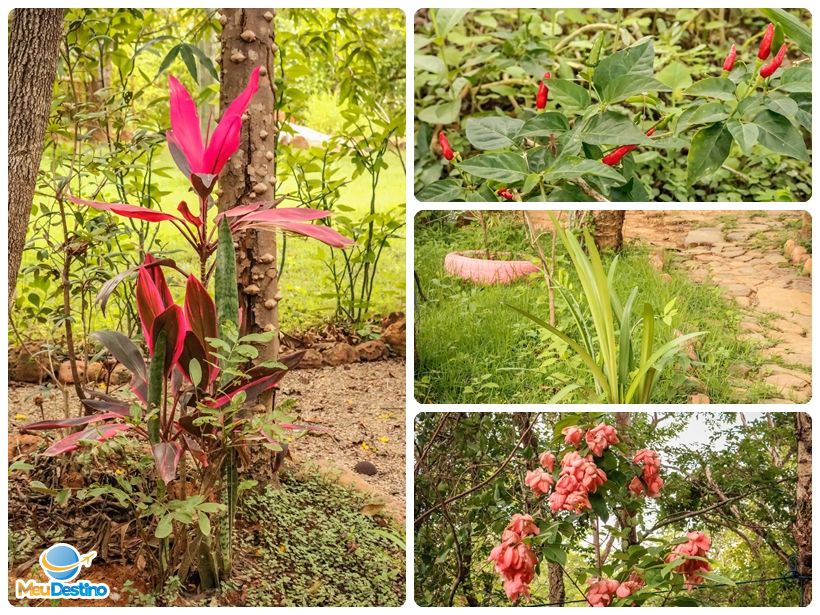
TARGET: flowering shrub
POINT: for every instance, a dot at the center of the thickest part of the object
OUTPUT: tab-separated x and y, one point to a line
581	487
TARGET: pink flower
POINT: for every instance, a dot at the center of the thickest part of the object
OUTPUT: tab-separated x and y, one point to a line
523	525
600	592
652	483
539	481
600	437
696	546
515	562
185	133
573	435
579	477
547	460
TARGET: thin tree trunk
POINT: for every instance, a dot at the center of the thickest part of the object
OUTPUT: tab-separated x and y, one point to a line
609	229
34	41
802	526
250	176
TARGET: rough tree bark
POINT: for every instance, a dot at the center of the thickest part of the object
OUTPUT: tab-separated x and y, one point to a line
608	229
802	526
34	41
247	42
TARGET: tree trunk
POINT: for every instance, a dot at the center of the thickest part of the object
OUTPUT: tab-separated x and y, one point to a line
250	175
802	526
34	41
608	229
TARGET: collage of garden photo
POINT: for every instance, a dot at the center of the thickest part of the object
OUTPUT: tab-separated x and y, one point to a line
214	398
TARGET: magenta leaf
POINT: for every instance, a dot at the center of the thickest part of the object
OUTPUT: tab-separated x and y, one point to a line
118	408
77	421
200	310
126	210
166	459
172	323
185	132
98	432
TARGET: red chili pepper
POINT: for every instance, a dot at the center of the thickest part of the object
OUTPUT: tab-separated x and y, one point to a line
542	96
615	156
446	150
729	62
766	42
505	193
768	69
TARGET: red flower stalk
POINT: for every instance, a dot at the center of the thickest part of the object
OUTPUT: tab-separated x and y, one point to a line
729	62
767	70
446	150
505	193
766	42
615	156
185	135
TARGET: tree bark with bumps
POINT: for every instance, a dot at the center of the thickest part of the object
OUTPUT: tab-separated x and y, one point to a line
248	41
34	41
802	525
608	230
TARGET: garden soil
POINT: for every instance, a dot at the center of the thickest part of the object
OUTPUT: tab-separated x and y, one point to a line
743	253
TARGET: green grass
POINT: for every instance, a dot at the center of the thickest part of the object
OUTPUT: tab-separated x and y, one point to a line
473	349
309	298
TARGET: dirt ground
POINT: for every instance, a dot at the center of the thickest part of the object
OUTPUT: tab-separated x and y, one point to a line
358	410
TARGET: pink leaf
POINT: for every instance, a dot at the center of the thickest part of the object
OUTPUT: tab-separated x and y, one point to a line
77	421
99	433
125	210
172	323
222	145
185	124
285	214
166	459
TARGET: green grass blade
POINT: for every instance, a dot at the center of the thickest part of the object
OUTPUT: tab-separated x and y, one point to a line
671	347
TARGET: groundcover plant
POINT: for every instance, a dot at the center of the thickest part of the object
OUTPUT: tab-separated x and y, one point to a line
624	509
612	105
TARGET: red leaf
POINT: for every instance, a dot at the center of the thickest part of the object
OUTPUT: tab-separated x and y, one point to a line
286	214
118	408
192	348
166	459
98	432
150	304
172	322
126	210
262	380
77	421
185	131
200	311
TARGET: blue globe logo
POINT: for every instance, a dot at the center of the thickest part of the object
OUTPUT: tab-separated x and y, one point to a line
61	562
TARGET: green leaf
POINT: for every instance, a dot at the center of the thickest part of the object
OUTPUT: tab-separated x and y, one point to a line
568	93
444	190
612	128
713	87
506	167
20	466
492	132
165	526
572	167
632	62
745	135
779	135
629	85
431	64
791	26
709	149
443	113
795	80
544	124
169	58
676	76
717	578
702	114
554	553
598	505
447	19
204	523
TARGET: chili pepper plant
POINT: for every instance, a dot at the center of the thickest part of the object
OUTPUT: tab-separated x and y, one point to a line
186	430
573	135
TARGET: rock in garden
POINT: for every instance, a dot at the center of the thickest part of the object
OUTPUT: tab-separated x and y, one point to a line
366	468
23	367
699	398
799	254
703	237
340	354
395	336
372	350
311	359
66	376
120	375
788	248
807	266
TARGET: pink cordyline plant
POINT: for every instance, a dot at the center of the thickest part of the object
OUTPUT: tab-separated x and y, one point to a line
201	160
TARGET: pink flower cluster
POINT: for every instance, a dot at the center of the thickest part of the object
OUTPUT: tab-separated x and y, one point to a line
538	480
514	559
579	477
652	482
573	435
602	592
696	546
600	437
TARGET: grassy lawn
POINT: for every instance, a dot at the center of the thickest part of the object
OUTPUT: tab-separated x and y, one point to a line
309	297
474	349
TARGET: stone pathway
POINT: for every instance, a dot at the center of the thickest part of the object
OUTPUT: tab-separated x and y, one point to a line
742	252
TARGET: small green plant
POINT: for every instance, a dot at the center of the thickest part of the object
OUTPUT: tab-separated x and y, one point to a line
623	372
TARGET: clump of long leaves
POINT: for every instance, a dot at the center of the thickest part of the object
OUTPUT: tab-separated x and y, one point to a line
624	372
